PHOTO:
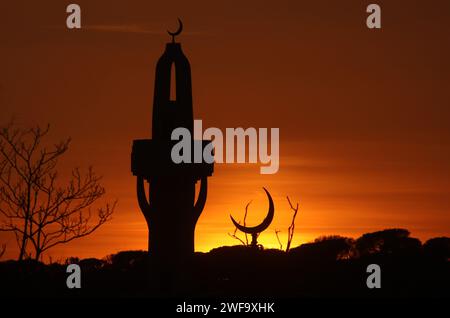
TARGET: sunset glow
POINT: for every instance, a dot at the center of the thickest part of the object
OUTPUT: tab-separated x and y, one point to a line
363	119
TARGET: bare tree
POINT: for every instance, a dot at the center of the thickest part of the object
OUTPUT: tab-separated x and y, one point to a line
291	229
234	235
278	239
40	212
2	250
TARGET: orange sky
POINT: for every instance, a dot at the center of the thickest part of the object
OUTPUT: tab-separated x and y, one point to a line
363	114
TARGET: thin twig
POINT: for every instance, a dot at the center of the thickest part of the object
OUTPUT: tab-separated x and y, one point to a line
278	238
291	229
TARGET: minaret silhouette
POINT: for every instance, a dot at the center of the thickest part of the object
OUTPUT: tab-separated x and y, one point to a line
170	114
171	211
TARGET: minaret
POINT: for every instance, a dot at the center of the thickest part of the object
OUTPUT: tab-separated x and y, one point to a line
170	114
170	209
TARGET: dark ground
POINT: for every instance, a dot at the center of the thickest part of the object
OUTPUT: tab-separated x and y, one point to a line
237	271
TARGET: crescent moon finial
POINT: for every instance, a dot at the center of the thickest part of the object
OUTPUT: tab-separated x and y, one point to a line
265	223
177	32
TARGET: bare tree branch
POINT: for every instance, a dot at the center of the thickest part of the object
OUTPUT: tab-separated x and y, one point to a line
278	239
2	250
41	213
291	229
245	219
237	237
234	235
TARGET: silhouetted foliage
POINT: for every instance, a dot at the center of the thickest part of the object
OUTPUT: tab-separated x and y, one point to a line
326	267
326	249
91	264
390	241
438	247
72	260
126	259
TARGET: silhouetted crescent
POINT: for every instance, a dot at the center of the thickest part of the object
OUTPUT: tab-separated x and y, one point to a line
177	32
265	223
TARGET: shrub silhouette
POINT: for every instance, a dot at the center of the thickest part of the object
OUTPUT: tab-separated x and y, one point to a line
91	264
438	248
390	241
325	249
327	267
126	259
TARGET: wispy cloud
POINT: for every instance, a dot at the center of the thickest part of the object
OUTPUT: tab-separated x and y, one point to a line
123	28
132	28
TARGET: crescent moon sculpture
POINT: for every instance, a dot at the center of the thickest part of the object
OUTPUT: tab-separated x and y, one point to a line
255	230
177	32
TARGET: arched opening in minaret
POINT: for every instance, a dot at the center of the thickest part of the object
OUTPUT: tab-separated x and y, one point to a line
173	83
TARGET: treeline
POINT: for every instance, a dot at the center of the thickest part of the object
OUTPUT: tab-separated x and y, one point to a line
330	266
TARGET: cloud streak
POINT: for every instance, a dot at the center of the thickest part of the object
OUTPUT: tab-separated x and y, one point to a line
132	28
